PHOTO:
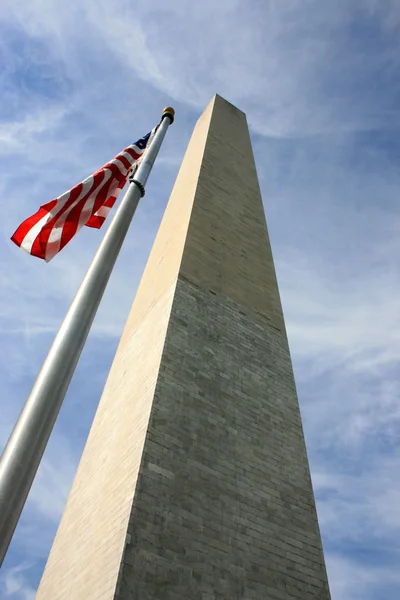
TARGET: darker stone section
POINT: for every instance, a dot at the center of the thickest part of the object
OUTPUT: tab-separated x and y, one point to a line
224	507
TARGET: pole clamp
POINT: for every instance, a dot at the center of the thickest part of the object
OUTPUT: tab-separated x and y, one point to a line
139	185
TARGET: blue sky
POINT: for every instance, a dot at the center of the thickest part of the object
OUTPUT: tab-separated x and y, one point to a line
319	82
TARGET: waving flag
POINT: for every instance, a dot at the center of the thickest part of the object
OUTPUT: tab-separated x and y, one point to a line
46	232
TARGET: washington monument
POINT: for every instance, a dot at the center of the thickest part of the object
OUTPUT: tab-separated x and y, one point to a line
194	483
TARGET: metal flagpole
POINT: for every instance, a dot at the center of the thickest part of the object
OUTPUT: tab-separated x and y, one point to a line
24	450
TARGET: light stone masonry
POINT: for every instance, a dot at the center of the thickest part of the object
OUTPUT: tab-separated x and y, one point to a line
194	482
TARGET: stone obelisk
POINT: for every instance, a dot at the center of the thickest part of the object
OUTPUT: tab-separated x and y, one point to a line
194	483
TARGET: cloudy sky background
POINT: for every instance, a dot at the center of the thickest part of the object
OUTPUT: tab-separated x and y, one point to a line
319	82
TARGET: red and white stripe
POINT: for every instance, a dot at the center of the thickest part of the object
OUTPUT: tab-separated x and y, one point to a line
46	232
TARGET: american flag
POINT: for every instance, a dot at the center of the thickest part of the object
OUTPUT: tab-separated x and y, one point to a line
46	232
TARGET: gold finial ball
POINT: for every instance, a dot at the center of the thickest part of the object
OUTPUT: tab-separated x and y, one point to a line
169	112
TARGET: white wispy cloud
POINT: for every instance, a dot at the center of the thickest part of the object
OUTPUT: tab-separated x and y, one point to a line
353	324
14	584
351	580
303	67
